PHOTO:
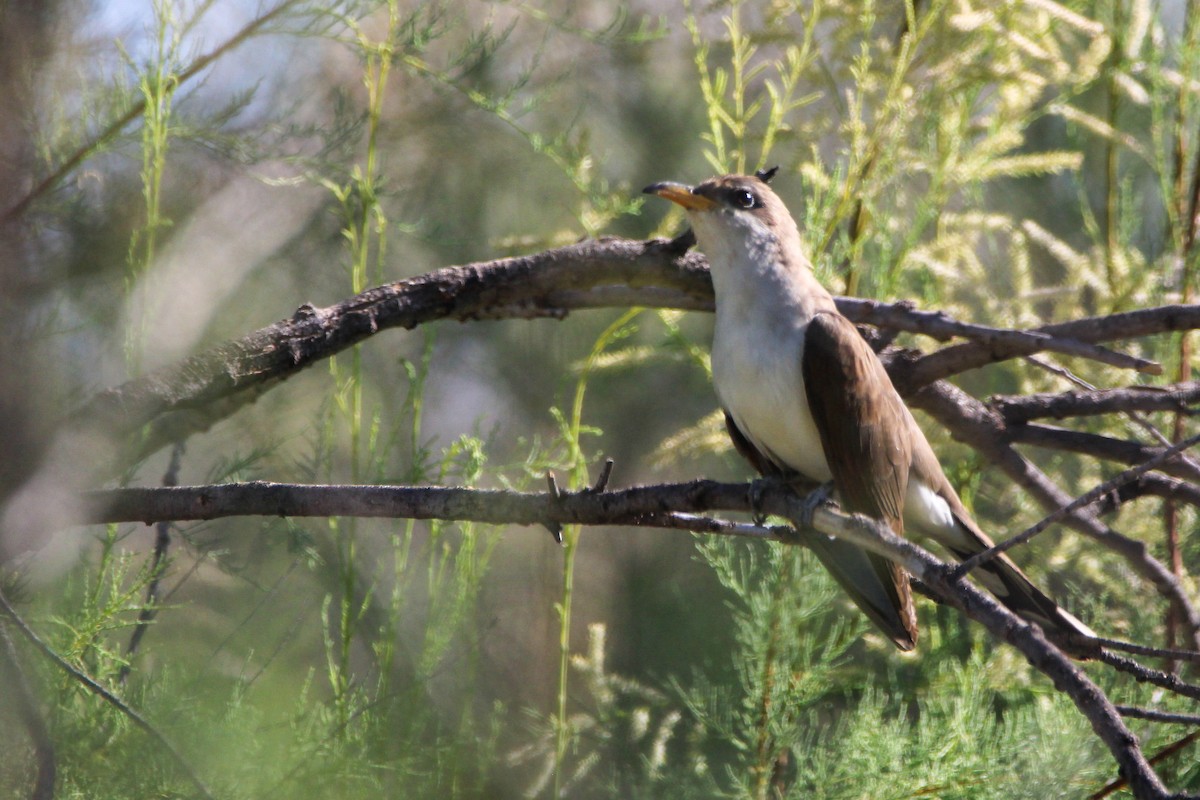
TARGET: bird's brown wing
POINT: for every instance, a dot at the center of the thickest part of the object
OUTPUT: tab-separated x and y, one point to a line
871	442
862	423
877	587
860	417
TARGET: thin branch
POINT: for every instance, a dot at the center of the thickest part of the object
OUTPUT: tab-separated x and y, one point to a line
1127	325
1151	486
1016	409
1001	342
95	688
969	421
1143	650
1144	674
1082	501
636	506
1154	715
89	148
1137	417
1122	451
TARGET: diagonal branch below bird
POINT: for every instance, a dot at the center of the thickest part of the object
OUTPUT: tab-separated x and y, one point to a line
804	395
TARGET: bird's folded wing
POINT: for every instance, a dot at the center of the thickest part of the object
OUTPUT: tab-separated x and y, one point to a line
862	424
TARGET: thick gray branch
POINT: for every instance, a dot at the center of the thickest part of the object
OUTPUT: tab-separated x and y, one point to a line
208	387
645	504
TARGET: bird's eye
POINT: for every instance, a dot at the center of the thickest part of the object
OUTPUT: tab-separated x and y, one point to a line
744	198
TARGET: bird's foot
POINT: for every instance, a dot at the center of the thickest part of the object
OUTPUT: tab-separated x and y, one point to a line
814	500
758	487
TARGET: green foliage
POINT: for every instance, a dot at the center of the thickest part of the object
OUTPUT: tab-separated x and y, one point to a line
1009	162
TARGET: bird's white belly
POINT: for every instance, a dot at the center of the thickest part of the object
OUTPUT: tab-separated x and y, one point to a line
758	378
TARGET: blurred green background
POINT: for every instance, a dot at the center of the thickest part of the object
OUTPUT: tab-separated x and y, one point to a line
177	174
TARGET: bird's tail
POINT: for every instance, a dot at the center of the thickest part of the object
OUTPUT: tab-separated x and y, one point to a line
1012	587
877	586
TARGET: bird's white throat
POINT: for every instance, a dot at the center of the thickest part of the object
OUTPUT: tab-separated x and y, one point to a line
764	306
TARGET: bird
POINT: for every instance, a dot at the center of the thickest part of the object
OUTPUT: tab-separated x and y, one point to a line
804	395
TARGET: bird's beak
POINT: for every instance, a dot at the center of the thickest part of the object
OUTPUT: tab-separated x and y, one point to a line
681	194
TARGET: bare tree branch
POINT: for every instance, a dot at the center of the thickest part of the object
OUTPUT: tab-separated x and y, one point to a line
642	505
1151	486
1003	342
1158	716
1022	408
1129	325
1121	451
1155	677
208	387
1082	501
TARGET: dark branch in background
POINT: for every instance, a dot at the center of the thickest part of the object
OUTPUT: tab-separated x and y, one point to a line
1151	486
92	686
1023	408
162	541
1082	501
1129	325
17	688
1154	677
632	507
998	343
1121	451
1132	712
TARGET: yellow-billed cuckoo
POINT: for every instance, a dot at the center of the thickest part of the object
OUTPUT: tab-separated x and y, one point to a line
804	394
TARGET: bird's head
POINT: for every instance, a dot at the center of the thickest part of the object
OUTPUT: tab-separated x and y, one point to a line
737	219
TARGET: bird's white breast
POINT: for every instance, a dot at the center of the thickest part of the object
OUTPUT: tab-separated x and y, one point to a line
757	375
762	313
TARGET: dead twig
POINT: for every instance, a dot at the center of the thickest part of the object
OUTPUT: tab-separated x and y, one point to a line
1082	501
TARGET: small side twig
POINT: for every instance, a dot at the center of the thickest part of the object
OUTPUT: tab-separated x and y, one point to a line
1154	677
1060	405
1177	399
553	526
1145	650
1153	715
1108	448
601	483
1079	502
